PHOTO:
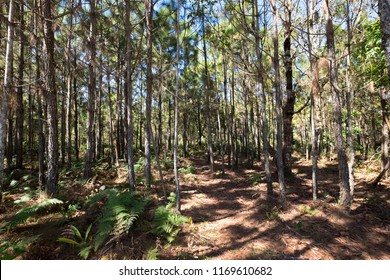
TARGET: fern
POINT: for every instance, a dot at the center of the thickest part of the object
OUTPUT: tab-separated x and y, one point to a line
167	221
119	214
25	213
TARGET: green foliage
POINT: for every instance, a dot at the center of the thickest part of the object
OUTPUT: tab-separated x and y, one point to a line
119	214
311	210
167	221
255	178
152	254
187	170
82	242
72	209
27	212
14	248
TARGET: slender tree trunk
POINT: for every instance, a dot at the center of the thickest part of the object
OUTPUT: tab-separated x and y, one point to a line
76	111
350	97
207	93
385	133
263	97
129	94
176	126
345	196
69	97
149	90
7	88
51	99
89	154
19	93
279	110
288	109
111	122
314	95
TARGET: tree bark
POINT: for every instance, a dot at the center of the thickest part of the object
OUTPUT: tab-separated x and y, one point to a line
176	125
288	109
149	90
7	90
261	90
19	93
89	154
129	93
279	110
51	99
207	93
345	196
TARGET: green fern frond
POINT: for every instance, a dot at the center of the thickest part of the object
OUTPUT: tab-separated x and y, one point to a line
25	213
119	214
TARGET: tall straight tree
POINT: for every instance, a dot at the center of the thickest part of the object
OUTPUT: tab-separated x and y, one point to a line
19	92
51	98
207	92
345	196
129	94
288	108
314	95
278	98
149	89
176	125
7	86
91	91
260	82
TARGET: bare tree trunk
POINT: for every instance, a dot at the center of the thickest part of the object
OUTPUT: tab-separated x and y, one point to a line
350	97
51	99
129	94
149	90
76	112
19	93
69	97
385	133
279	110
7	87
288	109
176	126
263	97
88	158
345	195
208	93
314	96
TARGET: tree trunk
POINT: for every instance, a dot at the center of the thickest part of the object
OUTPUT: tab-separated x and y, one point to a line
7	88
279	110
149	90
262	95
19	93
288	109
129	94
345	196
176	126
315	98
385	133
89	154
350	97
207	93
51	99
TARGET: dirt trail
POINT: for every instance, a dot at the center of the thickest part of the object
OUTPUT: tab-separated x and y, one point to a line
233	219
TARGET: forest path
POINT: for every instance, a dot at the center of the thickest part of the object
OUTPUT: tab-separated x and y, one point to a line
234	219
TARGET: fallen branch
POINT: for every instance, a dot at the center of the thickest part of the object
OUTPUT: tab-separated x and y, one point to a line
375	182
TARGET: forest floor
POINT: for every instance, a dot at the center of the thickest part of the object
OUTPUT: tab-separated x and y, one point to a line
232	217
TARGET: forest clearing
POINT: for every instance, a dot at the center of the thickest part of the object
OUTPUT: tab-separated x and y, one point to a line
183	130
